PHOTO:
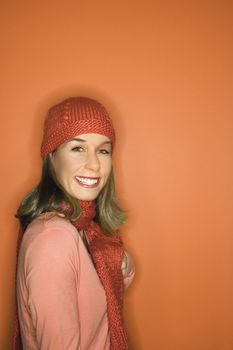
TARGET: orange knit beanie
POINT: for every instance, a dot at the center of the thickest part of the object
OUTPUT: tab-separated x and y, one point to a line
75	116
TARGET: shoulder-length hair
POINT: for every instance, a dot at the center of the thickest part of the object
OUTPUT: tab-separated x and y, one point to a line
49	195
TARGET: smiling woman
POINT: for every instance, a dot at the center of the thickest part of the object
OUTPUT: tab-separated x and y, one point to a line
82	165
72	268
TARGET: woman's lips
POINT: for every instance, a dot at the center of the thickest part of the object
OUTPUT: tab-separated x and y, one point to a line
88	182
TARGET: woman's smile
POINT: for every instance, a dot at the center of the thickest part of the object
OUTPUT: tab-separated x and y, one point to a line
88	182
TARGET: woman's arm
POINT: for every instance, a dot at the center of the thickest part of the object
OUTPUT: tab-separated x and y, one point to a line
52	279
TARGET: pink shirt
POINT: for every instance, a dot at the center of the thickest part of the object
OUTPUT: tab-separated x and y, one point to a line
61	301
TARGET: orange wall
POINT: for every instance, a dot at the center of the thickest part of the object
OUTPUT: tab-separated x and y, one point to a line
164	70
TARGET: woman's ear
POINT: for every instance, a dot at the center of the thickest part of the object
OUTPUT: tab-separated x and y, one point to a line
51	161
51	165
51	158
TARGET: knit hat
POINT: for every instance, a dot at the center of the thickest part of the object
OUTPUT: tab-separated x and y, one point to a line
75	116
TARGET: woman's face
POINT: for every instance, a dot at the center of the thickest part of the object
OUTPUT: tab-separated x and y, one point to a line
82	165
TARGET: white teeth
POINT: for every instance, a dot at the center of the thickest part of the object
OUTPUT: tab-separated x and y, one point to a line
86	181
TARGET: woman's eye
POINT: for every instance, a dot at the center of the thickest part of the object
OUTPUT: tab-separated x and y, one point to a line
78	149
104	151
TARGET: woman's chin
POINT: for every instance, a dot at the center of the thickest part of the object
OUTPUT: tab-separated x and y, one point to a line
87	196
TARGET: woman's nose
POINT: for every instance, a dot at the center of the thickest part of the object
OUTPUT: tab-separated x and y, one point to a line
92	162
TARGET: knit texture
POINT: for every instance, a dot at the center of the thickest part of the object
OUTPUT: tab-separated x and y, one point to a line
75	116
107	254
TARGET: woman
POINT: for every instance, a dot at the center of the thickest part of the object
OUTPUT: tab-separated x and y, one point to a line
72	269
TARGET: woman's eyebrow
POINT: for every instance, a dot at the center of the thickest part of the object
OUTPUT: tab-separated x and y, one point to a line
77	139
108	142
82	140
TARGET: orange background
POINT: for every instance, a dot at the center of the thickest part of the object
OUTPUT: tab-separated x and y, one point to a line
164	71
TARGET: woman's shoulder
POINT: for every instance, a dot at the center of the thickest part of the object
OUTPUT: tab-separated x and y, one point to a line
51	220
49	240
51	227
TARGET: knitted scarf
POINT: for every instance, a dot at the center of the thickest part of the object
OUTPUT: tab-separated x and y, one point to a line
107	253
